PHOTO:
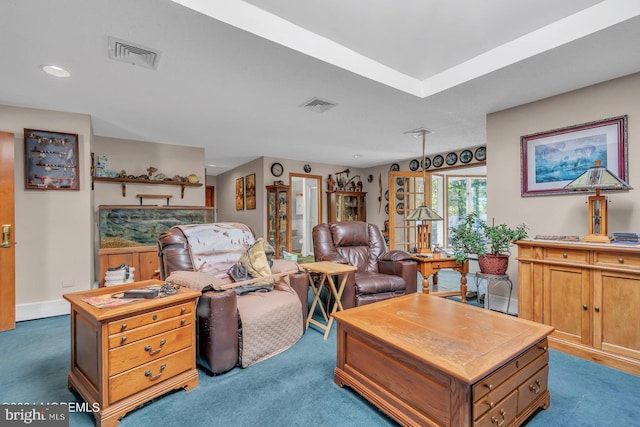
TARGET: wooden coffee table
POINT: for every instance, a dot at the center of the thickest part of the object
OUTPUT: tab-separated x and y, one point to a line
426	360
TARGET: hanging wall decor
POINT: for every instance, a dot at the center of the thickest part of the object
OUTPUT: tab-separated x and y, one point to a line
51	160
250	184
240	194
552	159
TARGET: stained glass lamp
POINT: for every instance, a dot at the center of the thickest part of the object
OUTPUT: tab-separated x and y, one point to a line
597	178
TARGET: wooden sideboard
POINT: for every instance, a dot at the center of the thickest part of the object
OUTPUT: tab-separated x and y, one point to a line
590	293
143	258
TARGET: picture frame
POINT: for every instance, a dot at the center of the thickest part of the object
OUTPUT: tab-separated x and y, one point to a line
250	191
51	160
240	194
550	160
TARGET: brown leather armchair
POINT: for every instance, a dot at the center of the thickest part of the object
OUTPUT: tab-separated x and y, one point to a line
380	274
220	334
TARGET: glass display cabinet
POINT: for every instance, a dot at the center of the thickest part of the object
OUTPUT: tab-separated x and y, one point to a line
278	215
346	206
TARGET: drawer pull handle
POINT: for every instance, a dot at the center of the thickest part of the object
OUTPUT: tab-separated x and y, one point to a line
183	321
155	377
155	317
584	306
535	388
621	260
489	386
496	421
543	348
154	352
596	308
565	255
122	340
491	404
123	327
182	310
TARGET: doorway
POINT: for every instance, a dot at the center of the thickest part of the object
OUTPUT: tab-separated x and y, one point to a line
7	228
306	211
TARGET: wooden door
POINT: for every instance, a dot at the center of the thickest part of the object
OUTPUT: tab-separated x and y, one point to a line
210	196
567	299
7	224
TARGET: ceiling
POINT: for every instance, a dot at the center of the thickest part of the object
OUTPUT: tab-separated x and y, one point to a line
233	74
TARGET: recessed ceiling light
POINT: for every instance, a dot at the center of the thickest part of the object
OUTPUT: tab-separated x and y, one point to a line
212	166
55	71
357	156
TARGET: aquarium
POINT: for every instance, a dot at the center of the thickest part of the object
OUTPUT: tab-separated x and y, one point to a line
127	226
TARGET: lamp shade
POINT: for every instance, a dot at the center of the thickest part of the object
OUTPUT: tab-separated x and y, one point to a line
423	213
597	178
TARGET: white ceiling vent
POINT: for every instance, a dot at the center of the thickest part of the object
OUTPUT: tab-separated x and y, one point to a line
132	53
318	105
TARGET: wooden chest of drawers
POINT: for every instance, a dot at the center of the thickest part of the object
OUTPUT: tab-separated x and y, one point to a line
126	355
427	361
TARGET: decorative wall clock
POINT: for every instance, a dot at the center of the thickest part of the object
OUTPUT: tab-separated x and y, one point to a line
277	169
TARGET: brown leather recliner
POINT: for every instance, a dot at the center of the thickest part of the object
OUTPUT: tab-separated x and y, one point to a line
219	329
380	274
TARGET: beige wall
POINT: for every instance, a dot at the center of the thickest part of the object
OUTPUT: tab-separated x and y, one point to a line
135	157
53	229
560	214
257	218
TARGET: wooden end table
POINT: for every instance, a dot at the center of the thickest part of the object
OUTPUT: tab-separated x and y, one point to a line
327	270
428	266
123	356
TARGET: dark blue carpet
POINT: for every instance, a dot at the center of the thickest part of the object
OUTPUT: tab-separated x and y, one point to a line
295	388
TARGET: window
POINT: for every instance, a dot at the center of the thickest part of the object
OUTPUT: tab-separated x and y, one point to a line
462	194
465	195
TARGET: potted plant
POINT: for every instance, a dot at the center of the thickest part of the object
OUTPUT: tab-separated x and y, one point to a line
490	243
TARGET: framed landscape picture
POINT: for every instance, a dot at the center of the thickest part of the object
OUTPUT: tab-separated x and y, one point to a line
50	160
552	159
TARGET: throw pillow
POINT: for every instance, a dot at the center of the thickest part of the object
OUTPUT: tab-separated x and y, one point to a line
255	263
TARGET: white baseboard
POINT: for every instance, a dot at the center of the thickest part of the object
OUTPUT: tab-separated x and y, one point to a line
38	310
499	303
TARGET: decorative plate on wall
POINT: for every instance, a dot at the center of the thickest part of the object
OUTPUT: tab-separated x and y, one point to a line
395	167
427	163
414	165
386	195
452	158
307	168
386	208
481	154
400	208
466	156
400	194
438	161
399	181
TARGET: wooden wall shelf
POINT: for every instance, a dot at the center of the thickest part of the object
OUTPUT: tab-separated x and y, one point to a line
125	181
